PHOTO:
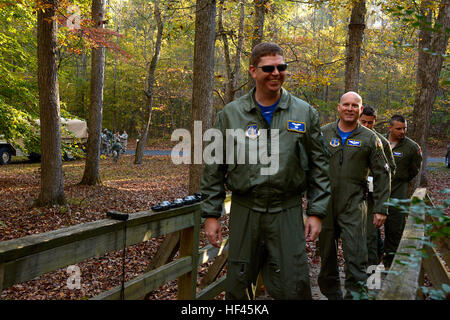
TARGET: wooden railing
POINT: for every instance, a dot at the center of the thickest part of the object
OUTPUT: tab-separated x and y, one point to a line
404	279
25	258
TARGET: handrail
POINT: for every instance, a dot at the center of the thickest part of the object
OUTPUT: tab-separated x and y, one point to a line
404	279
31	256
28	257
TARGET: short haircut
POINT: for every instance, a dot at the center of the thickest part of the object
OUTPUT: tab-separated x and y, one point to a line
369	111
398	118
264	49
353	93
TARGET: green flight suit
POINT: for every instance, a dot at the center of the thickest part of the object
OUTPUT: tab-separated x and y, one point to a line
374	241
408	159
349	169
266	219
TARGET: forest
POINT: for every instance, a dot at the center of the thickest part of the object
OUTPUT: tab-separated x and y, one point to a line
313	33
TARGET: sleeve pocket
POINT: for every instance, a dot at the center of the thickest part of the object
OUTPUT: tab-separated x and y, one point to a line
303	157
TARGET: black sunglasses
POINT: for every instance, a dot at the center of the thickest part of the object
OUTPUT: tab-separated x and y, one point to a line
270	69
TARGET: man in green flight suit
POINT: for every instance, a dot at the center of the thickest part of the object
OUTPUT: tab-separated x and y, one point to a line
266	220
408	159
375	245
355	150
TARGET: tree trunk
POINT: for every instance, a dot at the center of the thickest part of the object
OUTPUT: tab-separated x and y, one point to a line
355	36
237	57
258	31
203	82
91	174
229	84
116	124
232	73
150	85
428	72
52	179
81	88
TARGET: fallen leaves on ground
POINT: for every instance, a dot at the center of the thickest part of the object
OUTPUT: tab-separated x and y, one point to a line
125	188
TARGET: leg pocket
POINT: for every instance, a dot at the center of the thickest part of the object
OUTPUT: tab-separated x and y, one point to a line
238	280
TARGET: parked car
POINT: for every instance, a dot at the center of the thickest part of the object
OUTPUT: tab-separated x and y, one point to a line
74	135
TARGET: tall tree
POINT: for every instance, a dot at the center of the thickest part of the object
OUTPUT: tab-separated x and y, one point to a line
52	179
432	49
150	84
258	30
355	37
91	174
231	86
203	82
81	83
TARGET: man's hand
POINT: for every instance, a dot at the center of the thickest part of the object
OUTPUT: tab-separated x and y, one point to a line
313	226
213	231
378	220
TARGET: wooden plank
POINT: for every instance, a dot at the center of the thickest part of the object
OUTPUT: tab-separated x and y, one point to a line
435	269
214	270
213	290
209	252
402	281
139	286
443	245
33	265
166	251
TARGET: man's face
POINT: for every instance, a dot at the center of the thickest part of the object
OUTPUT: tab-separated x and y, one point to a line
398	130
349	108
268	82
367	121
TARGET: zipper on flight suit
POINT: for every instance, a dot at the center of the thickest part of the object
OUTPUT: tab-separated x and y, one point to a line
269	140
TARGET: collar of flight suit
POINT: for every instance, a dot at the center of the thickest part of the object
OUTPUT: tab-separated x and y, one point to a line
355	131
399	144
283	104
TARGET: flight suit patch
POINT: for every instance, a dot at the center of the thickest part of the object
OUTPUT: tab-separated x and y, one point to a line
397	154
252	131
296	126
353	143
335	142
379	143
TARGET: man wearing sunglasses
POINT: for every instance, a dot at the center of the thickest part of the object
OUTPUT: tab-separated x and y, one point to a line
267	233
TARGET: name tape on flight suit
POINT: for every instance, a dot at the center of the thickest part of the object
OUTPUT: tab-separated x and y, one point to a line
398	154
296	126
353	143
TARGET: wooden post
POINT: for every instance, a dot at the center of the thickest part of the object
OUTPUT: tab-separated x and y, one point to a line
2	274
189	241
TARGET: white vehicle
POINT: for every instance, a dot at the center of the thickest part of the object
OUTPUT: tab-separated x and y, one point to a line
76	132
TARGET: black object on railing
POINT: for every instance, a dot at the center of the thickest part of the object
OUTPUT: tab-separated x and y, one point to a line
121	217
166	205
